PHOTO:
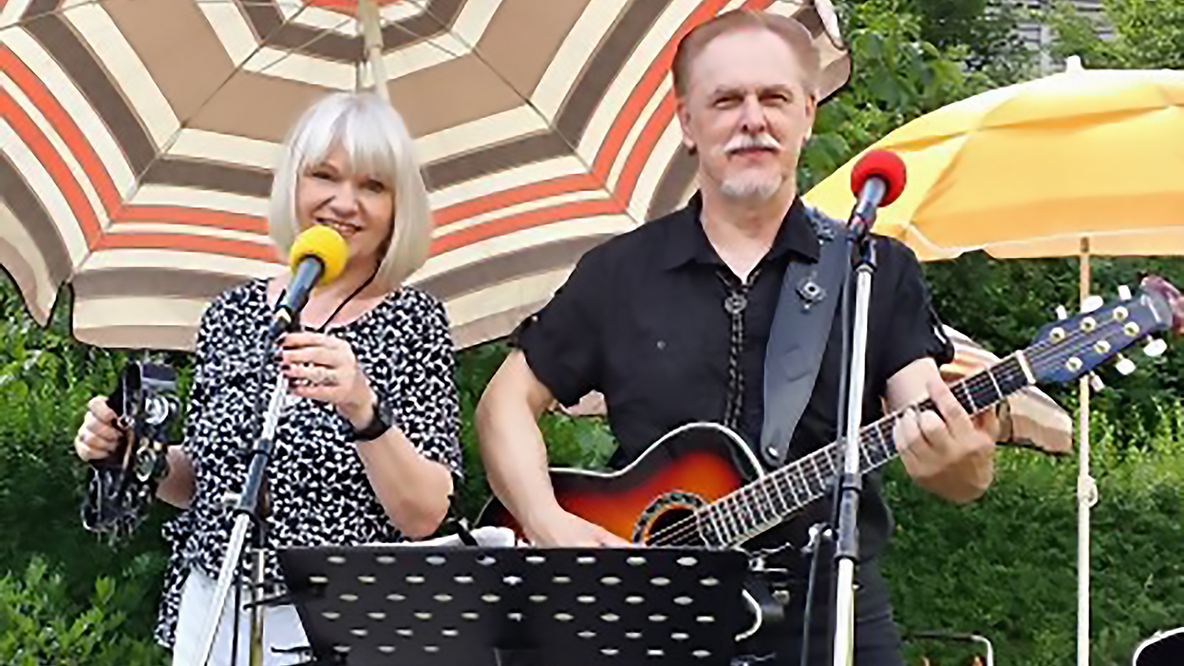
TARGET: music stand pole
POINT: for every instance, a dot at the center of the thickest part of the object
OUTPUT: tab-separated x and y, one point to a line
247	511
850	479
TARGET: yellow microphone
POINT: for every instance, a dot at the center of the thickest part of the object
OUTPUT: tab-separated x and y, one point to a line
318	256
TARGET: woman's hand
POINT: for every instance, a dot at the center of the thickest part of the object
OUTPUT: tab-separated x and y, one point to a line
98	436
324	368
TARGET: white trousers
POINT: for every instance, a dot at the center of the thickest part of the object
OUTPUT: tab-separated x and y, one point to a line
281	629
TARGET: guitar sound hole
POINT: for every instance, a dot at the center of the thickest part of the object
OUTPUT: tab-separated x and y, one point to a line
670	521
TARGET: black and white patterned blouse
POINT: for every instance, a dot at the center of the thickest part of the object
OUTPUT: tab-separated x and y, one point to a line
318	491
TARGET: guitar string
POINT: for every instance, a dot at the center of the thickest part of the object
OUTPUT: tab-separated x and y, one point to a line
876	433
782	481
1038	354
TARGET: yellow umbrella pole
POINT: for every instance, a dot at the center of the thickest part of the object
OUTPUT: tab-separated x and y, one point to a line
1087	490
372	39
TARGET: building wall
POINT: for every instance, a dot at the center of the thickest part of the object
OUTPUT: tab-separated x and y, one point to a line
1038	36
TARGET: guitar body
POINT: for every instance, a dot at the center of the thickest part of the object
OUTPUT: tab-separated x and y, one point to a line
691	466
655	496
701	486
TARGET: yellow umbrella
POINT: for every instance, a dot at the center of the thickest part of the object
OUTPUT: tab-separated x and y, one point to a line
1078	163
1028	169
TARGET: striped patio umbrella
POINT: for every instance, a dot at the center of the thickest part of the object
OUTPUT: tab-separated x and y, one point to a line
137	138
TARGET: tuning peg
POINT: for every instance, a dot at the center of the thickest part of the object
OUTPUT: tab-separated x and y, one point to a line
1062	313
1095	382
1092	303
1125	366
1155	347
1124	292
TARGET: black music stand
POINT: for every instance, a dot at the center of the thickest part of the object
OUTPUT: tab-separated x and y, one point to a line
418	606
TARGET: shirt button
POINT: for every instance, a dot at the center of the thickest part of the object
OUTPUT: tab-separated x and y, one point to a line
661	345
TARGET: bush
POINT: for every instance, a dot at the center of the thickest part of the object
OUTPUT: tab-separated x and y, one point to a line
40	624
1005	567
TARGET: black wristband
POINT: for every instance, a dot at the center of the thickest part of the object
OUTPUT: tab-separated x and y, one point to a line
380	422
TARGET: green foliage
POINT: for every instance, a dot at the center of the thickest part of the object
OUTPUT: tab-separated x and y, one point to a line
1002	305
45	381
571	442
1147	34
1005	567
985	29
40	624
897	75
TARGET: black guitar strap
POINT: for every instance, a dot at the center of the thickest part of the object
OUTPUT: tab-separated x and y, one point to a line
797	339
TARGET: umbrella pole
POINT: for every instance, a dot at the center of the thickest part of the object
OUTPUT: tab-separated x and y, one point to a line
372	39
1087	491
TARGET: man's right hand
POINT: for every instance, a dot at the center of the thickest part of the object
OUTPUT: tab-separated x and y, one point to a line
561	529
97	437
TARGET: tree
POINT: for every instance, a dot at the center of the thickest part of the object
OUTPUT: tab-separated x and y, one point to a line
1147	34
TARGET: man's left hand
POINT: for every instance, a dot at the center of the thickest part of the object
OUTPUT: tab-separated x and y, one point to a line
948	451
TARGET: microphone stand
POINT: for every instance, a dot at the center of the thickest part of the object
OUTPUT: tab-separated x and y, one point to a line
849	482
247	510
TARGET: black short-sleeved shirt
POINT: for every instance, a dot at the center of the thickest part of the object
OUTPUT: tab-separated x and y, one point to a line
641	319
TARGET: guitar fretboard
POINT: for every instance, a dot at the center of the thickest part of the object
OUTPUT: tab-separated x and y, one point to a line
766	502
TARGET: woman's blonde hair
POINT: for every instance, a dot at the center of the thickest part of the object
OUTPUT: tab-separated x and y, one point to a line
376	142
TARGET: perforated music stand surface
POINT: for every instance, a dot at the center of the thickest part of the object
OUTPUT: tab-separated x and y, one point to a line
405	605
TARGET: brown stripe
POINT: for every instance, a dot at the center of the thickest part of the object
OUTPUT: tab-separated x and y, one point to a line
251	96
271	29
192	172
84	70
39	7
492	327
527	261
674	183
437	19
604	65
574	115
23	275
157	31
491	159
810	20
159	282
521	57
36	221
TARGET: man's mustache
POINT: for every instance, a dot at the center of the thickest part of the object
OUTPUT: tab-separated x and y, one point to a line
752	141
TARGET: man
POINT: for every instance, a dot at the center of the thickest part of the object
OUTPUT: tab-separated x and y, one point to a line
642	319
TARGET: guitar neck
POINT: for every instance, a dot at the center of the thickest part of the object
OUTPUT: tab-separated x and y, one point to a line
768	501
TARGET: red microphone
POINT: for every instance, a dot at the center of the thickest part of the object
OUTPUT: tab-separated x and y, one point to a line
877	180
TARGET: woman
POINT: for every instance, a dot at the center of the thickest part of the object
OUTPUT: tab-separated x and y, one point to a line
373	352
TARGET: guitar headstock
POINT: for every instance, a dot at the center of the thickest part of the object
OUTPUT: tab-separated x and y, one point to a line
1070	348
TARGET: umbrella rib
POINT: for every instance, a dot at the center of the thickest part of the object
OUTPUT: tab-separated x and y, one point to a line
57	11
184	123
525	99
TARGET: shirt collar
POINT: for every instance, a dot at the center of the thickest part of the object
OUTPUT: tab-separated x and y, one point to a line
688	243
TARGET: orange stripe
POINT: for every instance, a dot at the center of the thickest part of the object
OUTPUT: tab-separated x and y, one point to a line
49	106
225	247
531	192
192	217
642	151
49	158
625	119
535	218
646	88
644	147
